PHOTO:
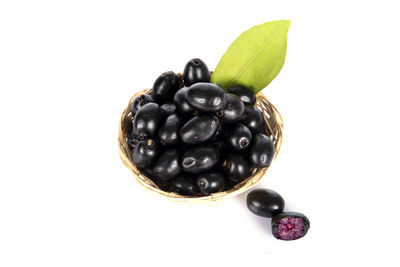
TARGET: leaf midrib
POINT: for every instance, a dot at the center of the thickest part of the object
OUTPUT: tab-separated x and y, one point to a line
254	56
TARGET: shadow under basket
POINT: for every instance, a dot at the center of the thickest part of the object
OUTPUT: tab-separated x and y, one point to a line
274	125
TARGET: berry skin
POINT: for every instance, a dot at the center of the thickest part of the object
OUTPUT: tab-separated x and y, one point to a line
265	202
210	182
253	119
206	97
146	121
145	153
181	102
184	185
168	109
236	167
233	110
168	134
165	86
140	101
248	97
262	151
290	225
162	184
200	129
238	137
200	159
167	165
196	71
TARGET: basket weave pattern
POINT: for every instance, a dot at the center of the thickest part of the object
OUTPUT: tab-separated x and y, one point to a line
274	125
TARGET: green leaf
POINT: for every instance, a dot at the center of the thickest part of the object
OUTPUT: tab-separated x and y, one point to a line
255	57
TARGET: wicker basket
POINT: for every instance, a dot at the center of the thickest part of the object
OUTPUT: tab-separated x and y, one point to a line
274	125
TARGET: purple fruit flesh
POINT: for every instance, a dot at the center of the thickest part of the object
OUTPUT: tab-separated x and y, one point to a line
290	225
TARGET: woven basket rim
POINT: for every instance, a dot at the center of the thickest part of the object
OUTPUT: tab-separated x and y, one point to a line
274	126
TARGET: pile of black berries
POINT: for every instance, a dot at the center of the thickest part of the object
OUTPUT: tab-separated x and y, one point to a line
196	138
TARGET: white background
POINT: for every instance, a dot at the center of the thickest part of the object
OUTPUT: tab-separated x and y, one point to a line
68	69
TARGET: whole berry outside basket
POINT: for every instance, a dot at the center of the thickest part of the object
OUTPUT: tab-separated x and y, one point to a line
273	128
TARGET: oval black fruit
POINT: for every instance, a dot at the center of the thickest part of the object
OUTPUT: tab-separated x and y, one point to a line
181	102
238	137
165	87
253	119
145	153
210	182
200	159
168	133
185	185
248	97
200	129
206	97
236	167
162	184
262	151
168	109
290	225
195	71
147	120
233	110
167	165
140	101
265	202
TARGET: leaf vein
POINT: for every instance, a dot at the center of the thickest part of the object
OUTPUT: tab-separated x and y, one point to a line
254	56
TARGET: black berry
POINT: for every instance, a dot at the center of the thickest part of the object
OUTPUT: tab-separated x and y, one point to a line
238	137
210	182
262	151
200	159
206	97
167	165
195	71
265	202
140	101
248	97
253	119
200	129
145	153
290	225
185	185
165	87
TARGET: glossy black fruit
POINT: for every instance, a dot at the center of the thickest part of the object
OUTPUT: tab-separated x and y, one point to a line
165	87
290	225
147	120
265	202
262	151
167	165
185	185
133	141
195	71
200	159
140	101
233	110
168	109
236	167
145	153
210	182
248	97
181	102
238	137
168	134
162	184
206	97
253	119
200	129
